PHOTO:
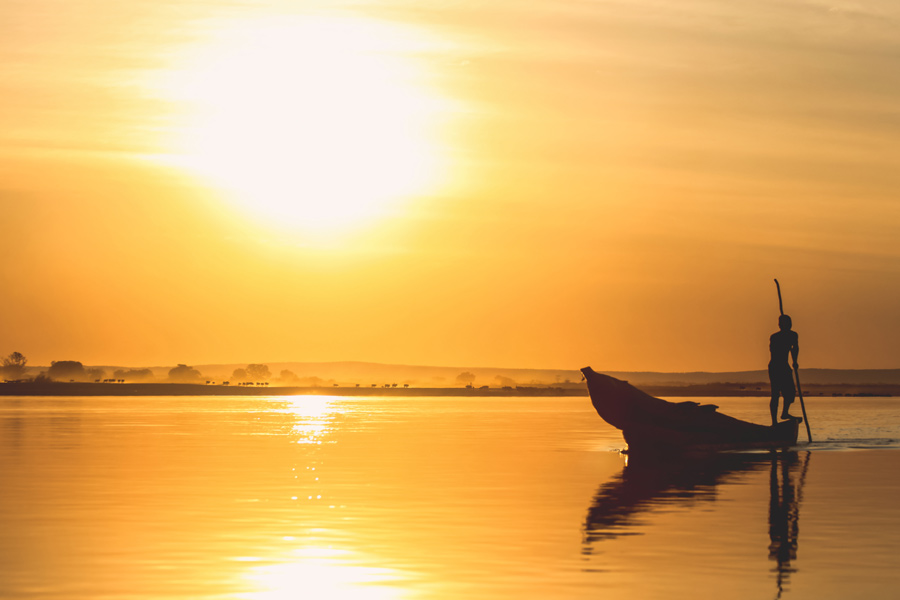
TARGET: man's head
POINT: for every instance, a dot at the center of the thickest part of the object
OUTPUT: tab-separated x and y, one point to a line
784	323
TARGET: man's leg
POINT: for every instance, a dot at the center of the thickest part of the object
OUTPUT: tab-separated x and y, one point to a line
788	392
773	406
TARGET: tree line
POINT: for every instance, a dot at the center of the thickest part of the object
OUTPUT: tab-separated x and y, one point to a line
14	368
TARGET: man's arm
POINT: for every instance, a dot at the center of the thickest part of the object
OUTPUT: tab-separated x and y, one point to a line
795	349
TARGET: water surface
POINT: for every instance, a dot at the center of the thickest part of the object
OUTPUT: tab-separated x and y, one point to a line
432	498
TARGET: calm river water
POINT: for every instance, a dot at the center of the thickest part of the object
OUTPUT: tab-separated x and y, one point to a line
433	498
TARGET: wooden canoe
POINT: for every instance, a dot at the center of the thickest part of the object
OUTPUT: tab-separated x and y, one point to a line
653	425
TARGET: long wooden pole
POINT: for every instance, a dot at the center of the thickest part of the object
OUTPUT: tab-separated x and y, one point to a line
780	305
802	405
796	373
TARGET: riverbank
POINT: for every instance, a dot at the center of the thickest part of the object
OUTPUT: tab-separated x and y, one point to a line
196	389
45	388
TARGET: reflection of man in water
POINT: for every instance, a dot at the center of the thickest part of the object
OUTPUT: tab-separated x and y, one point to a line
784	515
781	344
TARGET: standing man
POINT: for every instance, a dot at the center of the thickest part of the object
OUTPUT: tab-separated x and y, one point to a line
783	342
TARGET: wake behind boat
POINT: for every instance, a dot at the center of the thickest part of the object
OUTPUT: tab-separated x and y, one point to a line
652	425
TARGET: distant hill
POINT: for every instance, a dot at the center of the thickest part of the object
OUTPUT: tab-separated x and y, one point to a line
811	376
366	374
428	376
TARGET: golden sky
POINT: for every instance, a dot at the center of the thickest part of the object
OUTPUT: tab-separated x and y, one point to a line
521	184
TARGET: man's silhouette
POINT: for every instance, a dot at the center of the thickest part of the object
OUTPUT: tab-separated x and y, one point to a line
781	344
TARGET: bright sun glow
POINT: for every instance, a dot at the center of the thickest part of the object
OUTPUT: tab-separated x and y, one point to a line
308	123
314	416
325	573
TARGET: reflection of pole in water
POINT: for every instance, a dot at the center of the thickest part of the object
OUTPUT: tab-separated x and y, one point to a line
784	514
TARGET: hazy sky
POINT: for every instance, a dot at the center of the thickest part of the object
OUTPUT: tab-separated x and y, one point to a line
518	184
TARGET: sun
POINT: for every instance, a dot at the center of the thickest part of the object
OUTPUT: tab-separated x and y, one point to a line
315	124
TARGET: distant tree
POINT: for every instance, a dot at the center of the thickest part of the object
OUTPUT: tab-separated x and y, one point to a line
505	381
288	377
95	374
258	372
14	365
312	381
64	370
184	374
465	378
239	375
134	374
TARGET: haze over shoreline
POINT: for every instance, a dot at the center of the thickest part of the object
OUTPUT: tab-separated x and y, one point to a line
368	378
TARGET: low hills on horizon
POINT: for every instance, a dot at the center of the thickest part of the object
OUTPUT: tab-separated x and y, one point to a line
353	373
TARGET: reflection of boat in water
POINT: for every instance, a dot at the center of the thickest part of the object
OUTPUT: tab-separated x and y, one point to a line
648	484
653	425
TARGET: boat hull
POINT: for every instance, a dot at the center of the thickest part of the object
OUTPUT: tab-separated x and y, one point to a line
651	424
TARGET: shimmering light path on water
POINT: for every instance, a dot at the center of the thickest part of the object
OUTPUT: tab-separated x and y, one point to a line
432	498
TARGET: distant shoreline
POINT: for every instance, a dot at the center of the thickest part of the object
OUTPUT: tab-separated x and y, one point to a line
199	389
195	389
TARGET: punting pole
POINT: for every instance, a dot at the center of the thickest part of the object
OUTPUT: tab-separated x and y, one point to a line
780	305
796	373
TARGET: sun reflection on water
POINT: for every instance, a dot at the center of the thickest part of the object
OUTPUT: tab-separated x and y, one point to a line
315	572
314	417
310	567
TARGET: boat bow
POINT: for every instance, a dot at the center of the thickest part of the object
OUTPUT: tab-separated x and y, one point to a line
650	423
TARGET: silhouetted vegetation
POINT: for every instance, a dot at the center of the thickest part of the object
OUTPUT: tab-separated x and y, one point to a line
258	372
134	375
95	374
465	378
288	378
184	374
506	381
433	380
67	370
253	373
14	366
